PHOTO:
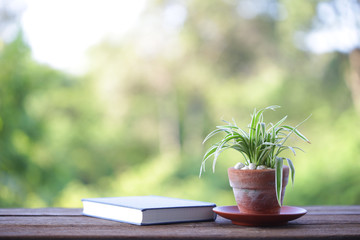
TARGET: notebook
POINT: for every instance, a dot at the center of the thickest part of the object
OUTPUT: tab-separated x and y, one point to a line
148	210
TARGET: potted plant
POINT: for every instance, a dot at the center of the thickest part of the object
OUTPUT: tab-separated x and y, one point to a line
259	181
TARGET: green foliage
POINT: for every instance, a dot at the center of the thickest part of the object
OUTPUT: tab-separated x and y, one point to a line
261	145
134	122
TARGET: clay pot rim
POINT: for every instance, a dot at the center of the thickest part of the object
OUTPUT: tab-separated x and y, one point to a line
263	170
267	169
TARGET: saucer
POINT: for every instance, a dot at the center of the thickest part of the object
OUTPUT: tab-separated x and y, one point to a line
287	213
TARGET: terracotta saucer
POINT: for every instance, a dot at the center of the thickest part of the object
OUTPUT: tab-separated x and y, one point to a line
287	213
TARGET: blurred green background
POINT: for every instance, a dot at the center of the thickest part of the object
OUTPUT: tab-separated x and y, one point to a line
134	121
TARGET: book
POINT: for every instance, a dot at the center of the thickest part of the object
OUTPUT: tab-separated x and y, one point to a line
148	210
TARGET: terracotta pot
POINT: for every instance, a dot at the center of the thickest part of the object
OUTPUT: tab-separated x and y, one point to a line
254	190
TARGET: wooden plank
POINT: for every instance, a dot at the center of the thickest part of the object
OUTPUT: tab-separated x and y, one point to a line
182	231
322	222
333	209
83	220
40	211
77	211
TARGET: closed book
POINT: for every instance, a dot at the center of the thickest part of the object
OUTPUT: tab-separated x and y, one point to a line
148	210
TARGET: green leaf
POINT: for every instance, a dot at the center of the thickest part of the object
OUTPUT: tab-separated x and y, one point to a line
229	123
282	148
258	132
242	147
277	124
217	154
242	150
273	107
216	131
294	130
273	135
223	142
299	149
263	129
253	125
256	118
210	152
264	153
227	126
243	133
278	178
292	170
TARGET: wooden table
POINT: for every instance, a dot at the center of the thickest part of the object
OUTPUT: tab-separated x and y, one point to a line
321	222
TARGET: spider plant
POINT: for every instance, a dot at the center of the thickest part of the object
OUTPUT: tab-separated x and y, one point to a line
261	145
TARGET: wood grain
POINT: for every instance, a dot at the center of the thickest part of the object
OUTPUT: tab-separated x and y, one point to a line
321	222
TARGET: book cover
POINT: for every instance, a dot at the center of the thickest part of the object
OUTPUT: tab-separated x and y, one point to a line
147	210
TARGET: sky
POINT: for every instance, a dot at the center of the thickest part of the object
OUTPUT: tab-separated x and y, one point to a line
336	27
60	31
